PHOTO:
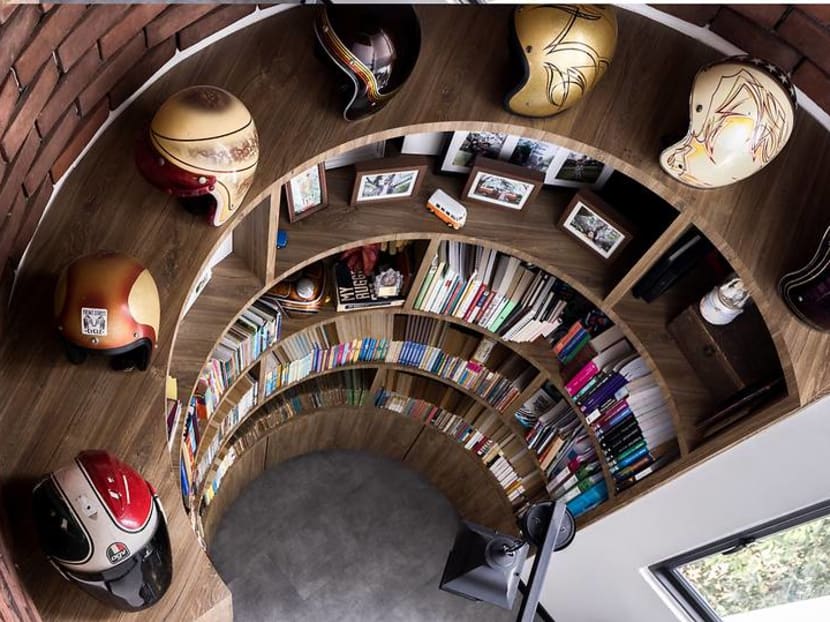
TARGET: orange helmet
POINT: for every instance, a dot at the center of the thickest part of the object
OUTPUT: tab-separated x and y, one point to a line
202	147
108	302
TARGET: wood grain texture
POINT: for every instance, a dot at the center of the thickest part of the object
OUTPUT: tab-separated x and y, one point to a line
763	225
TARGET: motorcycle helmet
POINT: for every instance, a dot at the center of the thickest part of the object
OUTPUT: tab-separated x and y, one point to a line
741	112
563	51
108	302
102	526
375	49
203	147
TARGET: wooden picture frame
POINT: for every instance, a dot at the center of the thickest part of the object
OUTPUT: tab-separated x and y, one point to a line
595	224
388	180
494	183
306	193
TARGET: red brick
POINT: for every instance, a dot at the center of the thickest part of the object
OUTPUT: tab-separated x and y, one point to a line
6	11
820	12
698	14
51	148
95	23
9	94
28	107
34	210
134	21
69	86
152	60
807	36
174	19
814	82
765	15
15	33
13	182
754	40
51	31
212	22
110	73
83	134
10	225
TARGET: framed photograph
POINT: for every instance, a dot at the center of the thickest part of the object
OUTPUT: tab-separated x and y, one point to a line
533	154
500	183
372	151
595	224
463	148
306	193
428	143
577	170
392	179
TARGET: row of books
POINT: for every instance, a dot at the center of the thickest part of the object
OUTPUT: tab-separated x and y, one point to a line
221	470
514	299
244	399
551	422
490	385
457	428
625	407
348	387
190	444
576	476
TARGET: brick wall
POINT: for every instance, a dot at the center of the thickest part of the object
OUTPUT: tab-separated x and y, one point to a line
62	69
796	37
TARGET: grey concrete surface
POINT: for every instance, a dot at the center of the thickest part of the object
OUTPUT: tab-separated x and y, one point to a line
341	536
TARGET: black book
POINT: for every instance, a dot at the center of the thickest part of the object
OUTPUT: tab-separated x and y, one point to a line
681	258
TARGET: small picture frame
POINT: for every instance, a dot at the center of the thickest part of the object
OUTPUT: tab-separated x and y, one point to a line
306	193
595	224
572	169
391	179
492	182
463	148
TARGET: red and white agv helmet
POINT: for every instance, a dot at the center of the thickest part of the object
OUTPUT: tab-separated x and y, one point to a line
103	528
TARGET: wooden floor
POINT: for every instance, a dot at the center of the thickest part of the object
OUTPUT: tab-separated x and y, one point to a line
50	410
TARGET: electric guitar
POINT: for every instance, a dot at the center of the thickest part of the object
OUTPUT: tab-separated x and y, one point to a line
807	291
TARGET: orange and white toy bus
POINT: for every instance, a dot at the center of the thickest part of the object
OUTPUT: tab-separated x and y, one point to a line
447	209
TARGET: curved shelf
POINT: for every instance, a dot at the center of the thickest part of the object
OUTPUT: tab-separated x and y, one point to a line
507	506
378	365
762	225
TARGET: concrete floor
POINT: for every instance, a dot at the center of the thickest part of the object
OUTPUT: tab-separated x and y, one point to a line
341	536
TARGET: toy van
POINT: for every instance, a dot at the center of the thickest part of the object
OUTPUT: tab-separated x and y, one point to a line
447	209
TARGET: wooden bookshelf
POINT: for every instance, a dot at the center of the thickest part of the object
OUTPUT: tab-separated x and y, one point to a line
763	226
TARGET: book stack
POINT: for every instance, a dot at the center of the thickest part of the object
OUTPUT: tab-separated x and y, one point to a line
575	476
552	422
257	329
303	357
625	407
457	428
243	398
174	412
516	300
221	470
387	285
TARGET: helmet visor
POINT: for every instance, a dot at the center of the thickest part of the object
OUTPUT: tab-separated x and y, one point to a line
138	582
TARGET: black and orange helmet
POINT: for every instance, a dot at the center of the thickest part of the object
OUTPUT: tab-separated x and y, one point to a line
203	147
375	49
108	302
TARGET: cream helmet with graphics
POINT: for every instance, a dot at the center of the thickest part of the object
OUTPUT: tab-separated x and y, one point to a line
742	111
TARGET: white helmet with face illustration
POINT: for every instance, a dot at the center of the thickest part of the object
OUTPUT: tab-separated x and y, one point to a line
742	111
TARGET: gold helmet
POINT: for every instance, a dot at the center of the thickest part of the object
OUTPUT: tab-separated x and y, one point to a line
741	112
108	302
564	50
202	147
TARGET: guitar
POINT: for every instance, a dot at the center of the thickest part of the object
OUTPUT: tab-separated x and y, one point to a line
807	291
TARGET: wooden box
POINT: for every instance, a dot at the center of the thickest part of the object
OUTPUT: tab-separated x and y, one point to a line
726	358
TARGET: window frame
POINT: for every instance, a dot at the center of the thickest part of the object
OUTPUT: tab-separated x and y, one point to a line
686	596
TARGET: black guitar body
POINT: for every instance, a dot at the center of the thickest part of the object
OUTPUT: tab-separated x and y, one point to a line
807	291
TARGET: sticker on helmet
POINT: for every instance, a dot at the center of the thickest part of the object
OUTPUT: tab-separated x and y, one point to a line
117	551
93	321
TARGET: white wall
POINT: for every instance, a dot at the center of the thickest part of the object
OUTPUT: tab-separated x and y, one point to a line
599	577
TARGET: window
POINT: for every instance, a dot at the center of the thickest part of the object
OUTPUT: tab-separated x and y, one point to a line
778	571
